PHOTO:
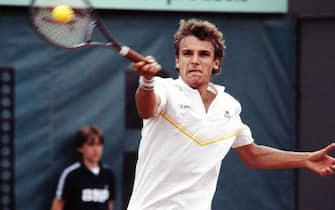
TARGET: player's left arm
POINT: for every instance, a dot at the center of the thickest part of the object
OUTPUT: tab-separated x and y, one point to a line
258	156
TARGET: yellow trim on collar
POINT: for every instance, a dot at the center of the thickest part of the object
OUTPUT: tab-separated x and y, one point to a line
194	138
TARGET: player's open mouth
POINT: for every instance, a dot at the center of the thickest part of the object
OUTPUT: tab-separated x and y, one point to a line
194	70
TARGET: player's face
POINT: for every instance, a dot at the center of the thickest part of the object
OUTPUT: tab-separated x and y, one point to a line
92	150
196	61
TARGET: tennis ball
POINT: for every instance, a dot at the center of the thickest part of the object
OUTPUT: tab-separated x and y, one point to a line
62	14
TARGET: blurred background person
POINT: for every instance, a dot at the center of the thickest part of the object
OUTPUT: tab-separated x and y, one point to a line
87	184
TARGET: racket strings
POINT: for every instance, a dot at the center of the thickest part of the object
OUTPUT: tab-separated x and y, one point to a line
69	35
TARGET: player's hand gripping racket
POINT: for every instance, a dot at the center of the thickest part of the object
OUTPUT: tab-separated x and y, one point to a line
75	30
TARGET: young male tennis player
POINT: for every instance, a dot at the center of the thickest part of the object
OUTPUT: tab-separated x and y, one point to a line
190	124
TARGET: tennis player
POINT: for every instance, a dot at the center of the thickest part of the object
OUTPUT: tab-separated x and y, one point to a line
190	124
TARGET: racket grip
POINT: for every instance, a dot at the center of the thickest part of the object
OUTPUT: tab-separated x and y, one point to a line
131	54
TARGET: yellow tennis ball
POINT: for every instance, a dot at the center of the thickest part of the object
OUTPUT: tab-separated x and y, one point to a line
62	14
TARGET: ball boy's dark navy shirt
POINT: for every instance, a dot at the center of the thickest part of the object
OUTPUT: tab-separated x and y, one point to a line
81	189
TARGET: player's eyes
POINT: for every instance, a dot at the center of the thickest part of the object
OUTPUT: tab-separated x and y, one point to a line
204	54
186	53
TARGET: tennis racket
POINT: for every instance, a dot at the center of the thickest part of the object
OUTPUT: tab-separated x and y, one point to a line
77	33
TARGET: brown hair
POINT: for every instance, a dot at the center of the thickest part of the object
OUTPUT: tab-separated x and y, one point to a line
203	30
84	134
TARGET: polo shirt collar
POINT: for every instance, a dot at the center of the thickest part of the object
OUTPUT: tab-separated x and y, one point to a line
211	87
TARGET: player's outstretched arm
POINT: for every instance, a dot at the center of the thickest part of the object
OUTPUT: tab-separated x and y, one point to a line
258	156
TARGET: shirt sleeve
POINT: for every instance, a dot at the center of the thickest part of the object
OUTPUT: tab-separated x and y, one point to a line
63	187
111	185
244	137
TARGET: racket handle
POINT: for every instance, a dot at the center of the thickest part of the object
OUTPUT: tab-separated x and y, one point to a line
131	54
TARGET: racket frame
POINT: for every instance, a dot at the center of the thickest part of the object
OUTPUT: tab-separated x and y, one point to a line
95	24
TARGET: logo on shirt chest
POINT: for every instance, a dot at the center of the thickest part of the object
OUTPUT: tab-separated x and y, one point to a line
227	115
184	106
94	195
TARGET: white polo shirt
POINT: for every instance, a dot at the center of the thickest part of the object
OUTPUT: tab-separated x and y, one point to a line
182	148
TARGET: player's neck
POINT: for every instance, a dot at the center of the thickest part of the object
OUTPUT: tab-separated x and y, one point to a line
91	164
207	97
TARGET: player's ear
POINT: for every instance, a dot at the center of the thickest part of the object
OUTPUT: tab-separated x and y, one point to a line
216	64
